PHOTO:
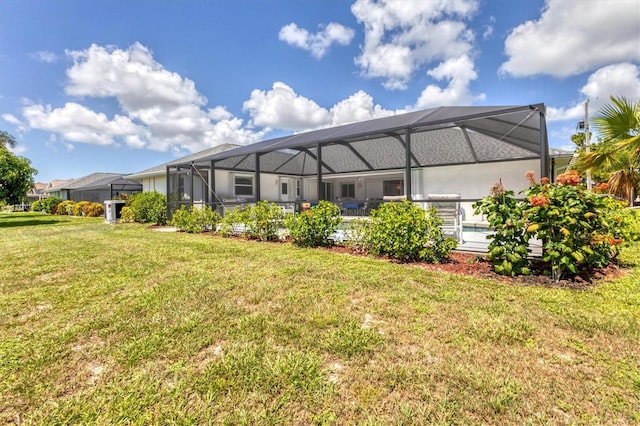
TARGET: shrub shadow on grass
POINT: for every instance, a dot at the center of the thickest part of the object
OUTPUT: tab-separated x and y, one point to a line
15	223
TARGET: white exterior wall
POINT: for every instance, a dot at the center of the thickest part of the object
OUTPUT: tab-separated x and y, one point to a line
154	183
473	181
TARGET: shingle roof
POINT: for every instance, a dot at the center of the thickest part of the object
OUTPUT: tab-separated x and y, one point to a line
94	180
162	168
439	136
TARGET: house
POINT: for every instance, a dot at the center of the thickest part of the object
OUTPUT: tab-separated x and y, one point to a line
155	178
440	153
37	192
96	187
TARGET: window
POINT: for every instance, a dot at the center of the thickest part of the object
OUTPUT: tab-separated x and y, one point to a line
393	187
328	190
243	185
284	188
298	189
348	190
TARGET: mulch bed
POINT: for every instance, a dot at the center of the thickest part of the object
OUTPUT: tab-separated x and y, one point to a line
477	265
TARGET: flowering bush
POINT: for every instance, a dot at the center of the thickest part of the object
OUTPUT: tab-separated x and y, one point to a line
78	208
601	188
571	178
127	215
508	249
65	208
93	210
570	225
577	228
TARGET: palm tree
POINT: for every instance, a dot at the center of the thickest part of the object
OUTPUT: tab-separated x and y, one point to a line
618	153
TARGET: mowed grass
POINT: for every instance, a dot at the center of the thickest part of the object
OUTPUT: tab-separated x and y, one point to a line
118	324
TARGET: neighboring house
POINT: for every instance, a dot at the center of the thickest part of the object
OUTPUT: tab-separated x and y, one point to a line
420	156
37	192
155	178
55	188
96	187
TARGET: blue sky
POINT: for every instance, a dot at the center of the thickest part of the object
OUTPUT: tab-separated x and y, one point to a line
120	86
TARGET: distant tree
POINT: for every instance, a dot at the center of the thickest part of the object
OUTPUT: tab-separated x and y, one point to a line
16	173
6	140
618	152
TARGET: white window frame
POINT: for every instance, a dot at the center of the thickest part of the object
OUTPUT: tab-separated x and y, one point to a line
236	185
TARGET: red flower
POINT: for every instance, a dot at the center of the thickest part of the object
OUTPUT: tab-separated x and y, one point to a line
539	201
614	241
544	180
568	178
497	188
530	176
602	187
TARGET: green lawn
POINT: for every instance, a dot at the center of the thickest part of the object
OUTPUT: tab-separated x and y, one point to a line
117	324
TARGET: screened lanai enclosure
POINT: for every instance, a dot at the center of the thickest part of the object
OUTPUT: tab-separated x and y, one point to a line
445	153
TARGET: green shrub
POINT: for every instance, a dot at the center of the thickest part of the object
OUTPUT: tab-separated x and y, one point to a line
127	215
50	204
508	249
265	219
234	222
404	231
37	206
93	210
195	220
313	227
149	207
65	207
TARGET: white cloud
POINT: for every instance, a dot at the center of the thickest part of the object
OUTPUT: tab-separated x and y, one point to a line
488	28
131	76
357	107
12	119
18	149
613	80
282	108
319	43
77	123
572	37
459	73
45	56
161	110
219	113
402	36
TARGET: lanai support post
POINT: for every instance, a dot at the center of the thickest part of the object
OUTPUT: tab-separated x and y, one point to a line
321	194
212	183
168	192
407	172
257	177
192	170
544	145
